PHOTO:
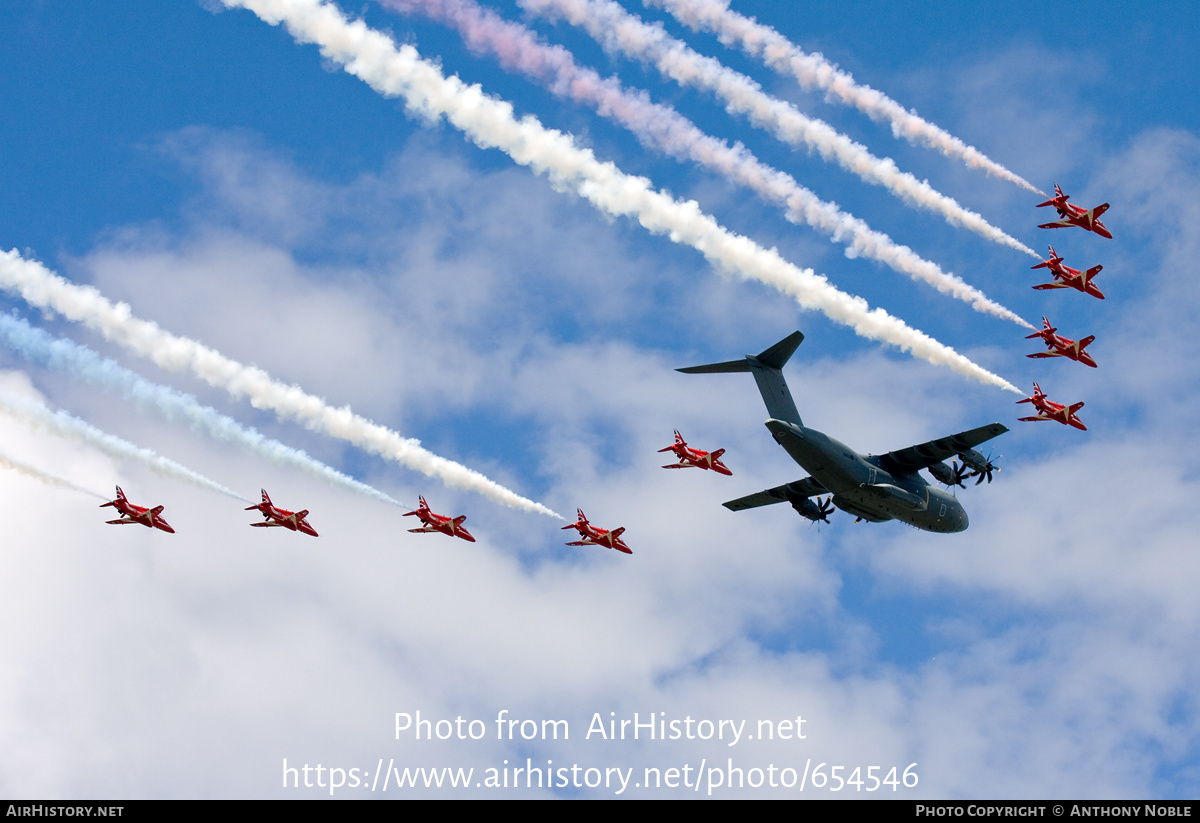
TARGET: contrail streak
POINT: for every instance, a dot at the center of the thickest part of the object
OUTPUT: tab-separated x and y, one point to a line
64	425
116	322
82	363
44	476
490	123
661	127
814	71
619	31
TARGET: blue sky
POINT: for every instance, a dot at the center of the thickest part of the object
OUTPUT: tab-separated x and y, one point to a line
240	190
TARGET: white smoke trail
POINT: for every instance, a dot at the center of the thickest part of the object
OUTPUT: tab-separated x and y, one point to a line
619	31
490	123
814	71
82	363
116	322
60	423
44	476
661	127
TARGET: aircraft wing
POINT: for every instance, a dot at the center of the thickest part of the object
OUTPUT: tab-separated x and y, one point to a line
925	455
780	494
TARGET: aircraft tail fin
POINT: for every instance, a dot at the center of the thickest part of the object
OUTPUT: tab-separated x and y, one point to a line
767	369
778	355
1054	201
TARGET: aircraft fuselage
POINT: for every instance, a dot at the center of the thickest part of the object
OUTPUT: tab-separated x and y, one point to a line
861	486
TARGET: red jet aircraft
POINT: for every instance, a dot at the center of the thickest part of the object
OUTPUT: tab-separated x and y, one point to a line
694	457
276	516
593	536
137	514
1063	346
439	522
1049	410
1073	215
1067	277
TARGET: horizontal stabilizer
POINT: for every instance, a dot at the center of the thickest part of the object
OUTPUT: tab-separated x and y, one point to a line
718	368
775	357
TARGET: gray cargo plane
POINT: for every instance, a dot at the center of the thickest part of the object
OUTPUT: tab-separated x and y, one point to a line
870	487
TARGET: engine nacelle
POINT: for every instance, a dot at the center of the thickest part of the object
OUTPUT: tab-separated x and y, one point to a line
944	474
975	461
806	508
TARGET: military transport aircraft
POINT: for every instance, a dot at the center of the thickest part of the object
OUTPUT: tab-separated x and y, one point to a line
1062	346
870	487
1073	215
1049	410
689	457
137	514
1067	277
452	526
275	516
594	536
